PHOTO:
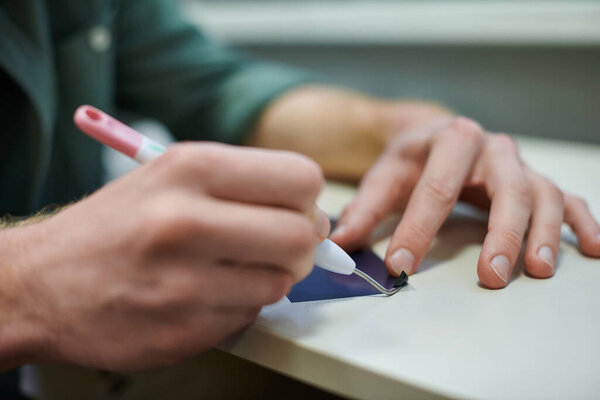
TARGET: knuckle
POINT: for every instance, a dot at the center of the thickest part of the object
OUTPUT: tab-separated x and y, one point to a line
206	158
521	191
576	201
551	191
547	184
165	222
178	156
173	152
418	234
157	299
505	142
166	218
199	159
176	291
512	238
440	190
467	129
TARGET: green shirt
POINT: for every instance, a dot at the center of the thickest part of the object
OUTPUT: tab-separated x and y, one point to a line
137	56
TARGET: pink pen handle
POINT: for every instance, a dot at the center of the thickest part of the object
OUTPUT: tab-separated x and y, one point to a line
108	130
117	135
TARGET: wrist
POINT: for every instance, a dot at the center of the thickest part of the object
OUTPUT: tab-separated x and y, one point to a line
21	333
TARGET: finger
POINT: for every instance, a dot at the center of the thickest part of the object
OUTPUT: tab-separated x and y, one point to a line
509	213
224	286
544	230
321	222
238	286
245	233
583	223
250	175
453	153
379	193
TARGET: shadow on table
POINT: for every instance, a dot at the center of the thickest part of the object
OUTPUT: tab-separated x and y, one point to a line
214	375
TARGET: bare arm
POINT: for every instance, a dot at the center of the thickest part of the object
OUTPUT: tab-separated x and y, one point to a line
344	131
18	338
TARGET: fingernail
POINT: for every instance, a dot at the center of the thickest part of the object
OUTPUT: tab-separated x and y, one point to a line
402	260
598	236
501	267
546	254
323	225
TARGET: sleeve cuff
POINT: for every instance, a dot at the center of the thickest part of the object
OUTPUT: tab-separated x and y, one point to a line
249	91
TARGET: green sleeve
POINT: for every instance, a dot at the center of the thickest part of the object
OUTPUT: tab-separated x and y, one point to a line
169	70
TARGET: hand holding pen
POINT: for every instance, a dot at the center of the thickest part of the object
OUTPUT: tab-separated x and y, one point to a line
168	260
127	141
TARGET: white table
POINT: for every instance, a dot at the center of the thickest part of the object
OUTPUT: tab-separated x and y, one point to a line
445	336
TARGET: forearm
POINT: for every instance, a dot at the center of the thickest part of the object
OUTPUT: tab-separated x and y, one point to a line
19	330
17	334
343	131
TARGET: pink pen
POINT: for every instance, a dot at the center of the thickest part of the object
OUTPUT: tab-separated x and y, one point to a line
116	134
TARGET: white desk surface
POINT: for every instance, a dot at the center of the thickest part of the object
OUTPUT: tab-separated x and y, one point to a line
445	336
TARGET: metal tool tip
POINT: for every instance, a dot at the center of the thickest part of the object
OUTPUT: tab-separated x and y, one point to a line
402	280
399	284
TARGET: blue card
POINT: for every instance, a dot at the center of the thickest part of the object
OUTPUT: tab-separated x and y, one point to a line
322	284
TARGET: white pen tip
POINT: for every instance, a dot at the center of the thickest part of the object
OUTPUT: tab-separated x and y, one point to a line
331	257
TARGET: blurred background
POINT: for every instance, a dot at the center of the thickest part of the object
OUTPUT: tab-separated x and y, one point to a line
529	67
